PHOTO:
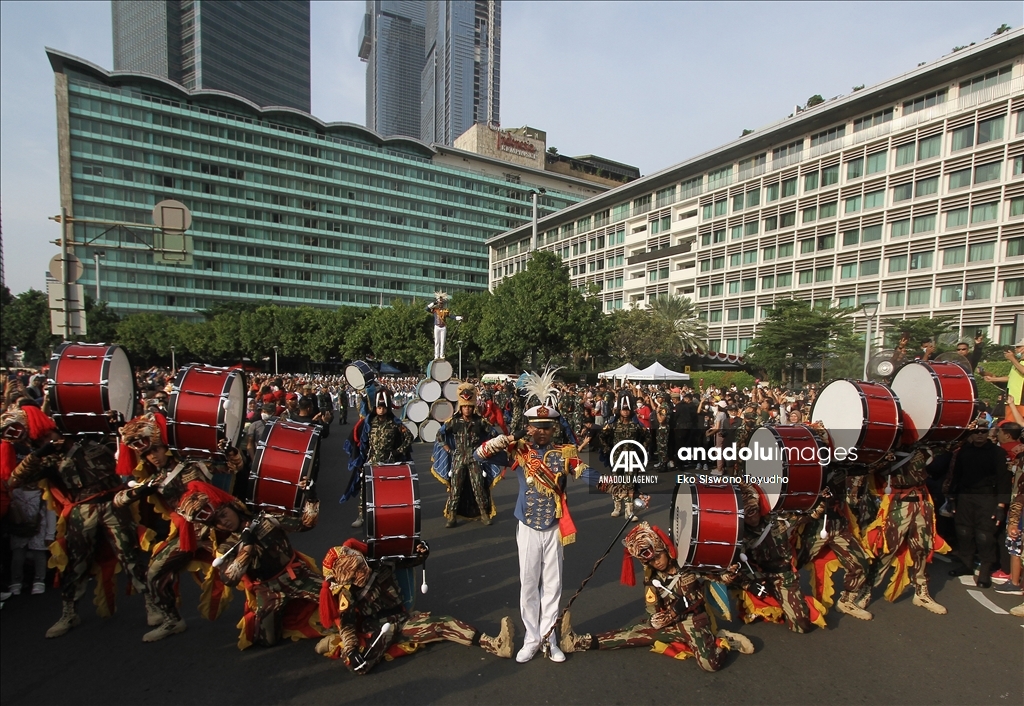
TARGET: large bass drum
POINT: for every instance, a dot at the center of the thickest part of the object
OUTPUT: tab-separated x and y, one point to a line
786	464
939	401
206	406
87	382
707	524
864	416
392	510
285	468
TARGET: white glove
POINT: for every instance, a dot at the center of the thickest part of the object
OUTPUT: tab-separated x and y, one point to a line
498	443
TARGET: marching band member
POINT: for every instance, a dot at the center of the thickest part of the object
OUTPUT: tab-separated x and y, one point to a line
679	623
439	309
903	535
378	438
79	478
545	525
282	585
625	426
168	478
362	605
456	467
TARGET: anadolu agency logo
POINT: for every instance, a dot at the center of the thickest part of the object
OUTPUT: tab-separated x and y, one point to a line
769	463
628	459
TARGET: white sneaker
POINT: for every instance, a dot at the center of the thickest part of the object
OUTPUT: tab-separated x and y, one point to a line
15	589
555	654
528	652
38	588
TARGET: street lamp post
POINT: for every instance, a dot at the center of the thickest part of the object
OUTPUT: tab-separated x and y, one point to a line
275	360
535	193
96	255
173	362
460	359
870	307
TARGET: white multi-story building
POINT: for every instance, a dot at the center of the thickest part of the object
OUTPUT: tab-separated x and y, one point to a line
910	192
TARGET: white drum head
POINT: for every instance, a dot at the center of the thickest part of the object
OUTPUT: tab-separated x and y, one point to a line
763	443
451	391
413	429
442	410
120	384
355	377
915	387
840	408
440	370
429	429
429	390
234	409
683	520
417	411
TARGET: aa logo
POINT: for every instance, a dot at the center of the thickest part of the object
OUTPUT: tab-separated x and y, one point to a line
628	457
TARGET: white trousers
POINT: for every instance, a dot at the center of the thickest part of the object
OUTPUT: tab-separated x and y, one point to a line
440	332
540	576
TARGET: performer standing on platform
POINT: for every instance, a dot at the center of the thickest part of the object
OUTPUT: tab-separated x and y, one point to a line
679	623
439	308
545	525
468	480
377	438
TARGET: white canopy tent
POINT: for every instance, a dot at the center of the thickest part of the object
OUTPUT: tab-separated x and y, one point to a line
657	371
628	371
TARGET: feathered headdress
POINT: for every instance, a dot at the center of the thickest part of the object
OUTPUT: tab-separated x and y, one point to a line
542	387
441	296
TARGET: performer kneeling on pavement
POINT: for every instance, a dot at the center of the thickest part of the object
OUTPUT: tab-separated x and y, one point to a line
679	622
545	525
377	438
282	585
79	479
361	604
168	477
468	480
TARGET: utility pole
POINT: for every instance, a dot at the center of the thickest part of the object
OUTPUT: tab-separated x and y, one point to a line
65	276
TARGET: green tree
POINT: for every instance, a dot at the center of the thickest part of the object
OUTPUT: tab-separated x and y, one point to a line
690	332
101	321
325	337
537	315
814	100
471	307
809	335
639	336
26	325
398	333
938	328
148	337
258	331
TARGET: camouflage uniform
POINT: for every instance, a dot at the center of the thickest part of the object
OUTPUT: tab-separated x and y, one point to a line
571	409
462	438
84	481
681	618
612	433
389	441
274	575
843	541
660	447
769	549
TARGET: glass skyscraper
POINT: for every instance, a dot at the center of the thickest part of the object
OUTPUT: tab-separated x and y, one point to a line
433	68
256	49
285	207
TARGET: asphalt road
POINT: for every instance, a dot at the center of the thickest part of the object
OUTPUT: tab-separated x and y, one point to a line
906	655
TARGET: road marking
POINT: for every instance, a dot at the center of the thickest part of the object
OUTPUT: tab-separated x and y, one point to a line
967	580
980	597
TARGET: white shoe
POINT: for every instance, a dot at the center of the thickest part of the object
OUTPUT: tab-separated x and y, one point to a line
554	653
38	588
15	589
358	522
528	652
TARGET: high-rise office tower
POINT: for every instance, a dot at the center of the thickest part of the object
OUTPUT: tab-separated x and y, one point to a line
255	49
461	74
392	47
433	68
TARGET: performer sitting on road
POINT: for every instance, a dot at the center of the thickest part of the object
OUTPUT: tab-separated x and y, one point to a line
679	623
377	438
468	480
361	603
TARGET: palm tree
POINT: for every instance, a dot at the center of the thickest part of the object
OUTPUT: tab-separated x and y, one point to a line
691	332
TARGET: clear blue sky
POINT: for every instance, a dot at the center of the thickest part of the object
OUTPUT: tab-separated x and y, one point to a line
649	84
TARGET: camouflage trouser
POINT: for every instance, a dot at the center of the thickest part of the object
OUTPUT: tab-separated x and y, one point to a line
785	587
909	522
701	640
82	526
164	567
419	628
855	561
456	484
273	596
